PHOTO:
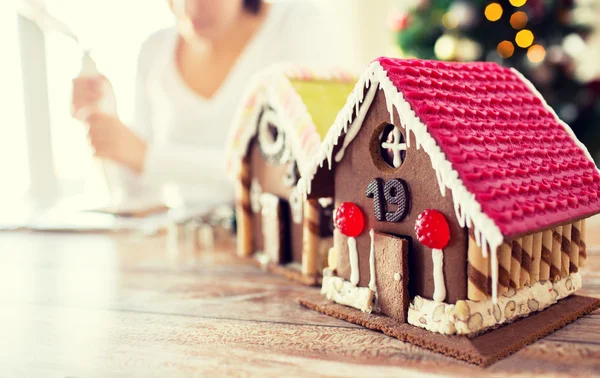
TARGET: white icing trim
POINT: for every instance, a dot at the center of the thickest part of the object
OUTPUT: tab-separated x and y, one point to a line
372	284
353	252
355	127
469	317
396	147
468	210
270	147
439	288
344	292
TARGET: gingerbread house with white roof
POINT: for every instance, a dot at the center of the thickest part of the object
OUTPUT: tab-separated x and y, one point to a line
460	199
285	112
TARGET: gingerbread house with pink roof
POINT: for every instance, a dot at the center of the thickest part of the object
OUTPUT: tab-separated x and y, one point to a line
285	112
460	202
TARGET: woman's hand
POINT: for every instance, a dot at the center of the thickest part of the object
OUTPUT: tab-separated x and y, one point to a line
111	139
87	91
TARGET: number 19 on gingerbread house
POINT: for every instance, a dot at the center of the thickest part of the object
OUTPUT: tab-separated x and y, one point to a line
460	204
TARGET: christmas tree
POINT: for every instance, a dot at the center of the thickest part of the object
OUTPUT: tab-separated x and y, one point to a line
546	40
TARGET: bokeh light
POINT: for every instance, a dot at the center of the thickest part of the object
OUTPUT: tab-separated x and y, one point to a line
505	49
524	38
450	21
493	12
536	53
445	47
518	20
517	3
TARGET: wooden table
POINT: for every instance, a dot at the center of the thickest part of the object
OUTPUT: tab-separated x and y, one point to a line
83	305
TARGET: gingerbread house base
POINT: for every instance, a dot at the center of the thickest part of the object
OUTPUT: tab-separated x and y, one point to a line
482	350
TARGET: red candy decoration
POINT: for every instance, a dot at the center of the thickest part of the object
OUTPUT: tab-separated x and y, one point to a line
432	229
349	219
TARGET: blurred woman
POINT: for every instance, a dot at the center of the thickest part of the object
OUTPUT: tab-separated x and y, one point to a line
189	82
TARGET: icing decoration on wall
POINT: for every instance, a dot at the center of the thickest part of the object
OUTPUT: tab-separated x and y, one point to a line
271	139
459	318
291	175
343	292
394	192
372	284
353	252
396	145
433	231
350	221
354	128
255	192
296	206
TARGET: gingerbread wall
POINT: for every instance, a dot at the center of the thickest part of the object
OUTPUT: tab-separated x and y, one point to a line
357	170
270	178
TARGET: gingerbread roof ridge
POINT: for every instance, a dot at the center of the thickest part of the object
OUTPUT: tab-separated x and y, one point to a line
272	86
468	208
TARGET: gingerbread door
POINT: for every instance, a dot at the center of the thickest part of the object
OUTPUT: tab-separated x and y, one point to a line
273	228
391	275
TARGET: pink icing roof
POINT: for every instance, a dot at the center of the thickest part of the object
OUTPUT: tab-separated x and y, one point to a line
510	151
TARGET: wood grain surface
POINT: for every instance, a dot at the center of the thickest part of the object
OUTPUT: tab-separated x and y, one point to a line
103	305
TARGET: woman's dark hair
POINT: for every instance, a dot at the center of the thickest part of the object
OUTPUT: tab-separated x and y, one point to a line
252	6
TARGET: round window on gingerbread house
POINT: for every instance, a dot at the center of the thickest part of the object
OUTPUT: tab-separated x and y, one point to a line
388	147
271	140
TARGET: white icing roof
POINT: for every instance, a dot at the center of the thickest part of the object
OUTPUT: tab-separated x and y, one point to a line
273	87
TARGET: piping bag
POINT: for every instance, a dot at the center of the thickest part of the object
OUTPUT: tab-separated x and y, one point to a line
107	104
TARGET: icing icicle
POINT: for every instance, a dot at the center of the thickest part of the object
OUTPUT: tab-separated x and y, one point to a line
355	126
